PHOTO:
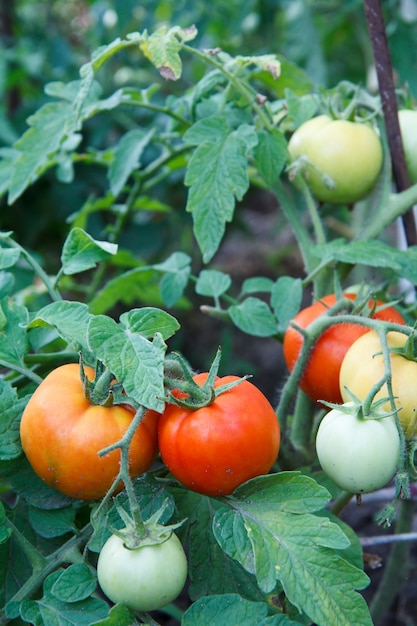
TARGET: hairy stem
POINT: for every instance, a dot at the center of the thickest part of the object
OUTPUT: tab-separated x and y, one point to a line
396	567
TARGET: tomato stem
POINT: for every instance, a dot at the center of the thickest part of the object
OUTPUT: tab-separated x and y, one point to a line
397	566
66	553
54	293
124	476
341	502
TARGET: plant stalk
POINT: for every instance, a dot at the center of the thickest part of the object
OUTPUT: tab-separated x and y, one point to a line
397	565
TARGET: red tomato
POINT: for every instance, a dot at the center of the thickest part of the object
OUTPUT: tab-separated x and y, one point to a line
320	379
62	433
215	449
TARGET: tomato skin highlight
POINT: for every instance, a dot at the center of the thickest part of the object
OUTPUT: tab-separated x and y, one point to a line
350	153
363	367
359	455
320	380
62	433
215	449
146	578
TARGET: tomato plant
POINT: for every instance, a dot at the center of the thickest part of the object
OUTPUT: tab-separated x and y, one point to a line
343	159
408	126
144	578
364	366
320	379
360	454
62	434
214	449
191	163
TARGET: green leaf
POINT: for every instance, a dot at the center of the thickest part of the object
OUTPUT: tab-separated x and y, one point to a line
212	283
270	155
119	615
49	126
177	270
373	253
5	531
137	363
217	175
8	257
131	287
13	337
253	316
7	283
265	62
211	571
162	49
75	583
31	488
55	612
286	298
70	319
11	409
300	109
81	252
257	284
148	321
126	157
7	161
274	534
407	263
230	608
52	523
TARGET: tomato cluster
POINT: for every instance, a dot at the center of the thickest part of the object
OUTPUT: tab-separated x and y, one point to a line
359	452
211	450
320	379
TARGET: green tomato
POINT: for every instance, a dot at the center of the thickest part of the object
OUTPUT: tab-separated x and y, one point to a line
344	158
145	578
359	455
408	127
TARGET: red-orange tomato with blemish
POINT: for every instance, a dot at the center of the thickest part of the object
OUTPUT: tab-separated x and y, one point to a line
214	449
62	433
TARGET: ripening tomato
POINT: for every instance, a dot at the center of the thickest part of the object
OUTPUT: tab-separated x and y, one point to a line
62	433
320	379
349	154
215	449
364	366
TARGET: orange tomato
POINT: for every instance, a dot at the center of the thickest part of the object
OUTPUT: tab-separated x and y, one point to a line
62	433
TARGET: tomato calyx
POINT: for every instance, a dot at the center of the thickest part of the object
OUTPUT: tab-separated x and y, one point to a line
364	409
104	390
409	349
149	533
185	392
